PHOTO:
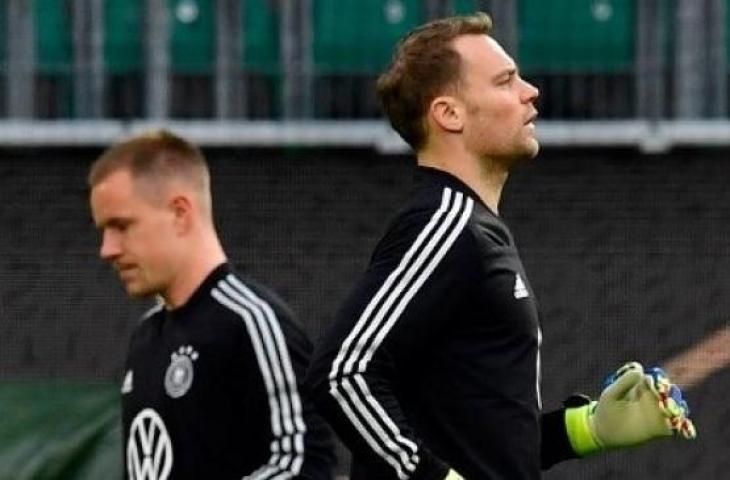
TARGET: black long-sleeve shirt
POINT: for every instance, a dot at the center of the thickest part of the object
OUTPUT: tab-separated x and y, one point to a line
213	390
433	361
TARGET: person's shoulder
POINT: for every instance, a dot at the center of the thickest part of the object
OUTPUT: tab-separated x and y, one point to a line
433	209
262	310
462	222
455	207
488	230
435	222
243	293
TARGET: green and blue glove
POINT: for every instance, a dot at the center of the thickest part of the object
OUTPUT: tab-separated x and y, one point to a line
636	406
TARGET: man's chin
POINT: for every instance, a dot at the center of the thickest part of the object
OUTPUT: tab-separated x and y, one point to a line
532	148
528	152
138	291
524	156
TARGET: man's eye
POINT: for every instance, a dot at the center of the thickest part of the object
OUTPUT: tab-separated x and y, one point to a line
120	226
506	79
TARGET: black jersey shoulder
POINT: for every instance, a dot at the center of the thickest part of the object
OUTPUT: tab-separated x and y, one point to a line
488	229
277	303
484	229
235	293
243	289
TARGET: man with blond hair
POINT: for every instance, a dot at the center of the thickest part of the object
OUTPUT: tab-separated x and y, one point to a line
212	385
432	368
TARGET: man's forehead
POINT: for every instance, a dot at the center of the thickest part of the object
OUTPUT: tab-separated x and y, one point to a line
108	204
483	51
119	179
122	183
116	194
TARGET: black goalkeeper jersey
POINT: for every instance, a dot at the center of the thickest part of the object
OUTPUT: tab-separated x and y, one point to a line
213	390
433	361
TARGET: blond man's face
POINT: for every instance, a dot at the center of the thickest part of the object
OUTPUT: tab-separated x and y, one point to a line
138	234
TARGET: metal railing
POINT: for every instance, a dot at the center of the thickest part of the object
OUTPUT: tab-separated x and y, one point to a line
672	91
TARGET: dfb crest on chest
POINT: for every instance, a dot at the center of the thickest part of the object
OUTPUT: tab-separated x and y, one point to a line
180	373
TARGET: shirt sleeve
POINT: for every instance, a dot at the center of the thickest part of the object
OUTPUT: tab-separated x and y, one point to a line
555	444
278	371
390	320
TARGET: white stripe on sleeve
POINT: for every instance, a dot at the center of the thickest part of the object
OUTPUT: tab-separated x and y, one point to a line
272	355
347	381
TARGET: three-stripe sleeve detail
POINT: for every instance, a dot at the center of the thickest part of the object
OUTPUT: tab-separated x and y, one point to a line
346	377
272	356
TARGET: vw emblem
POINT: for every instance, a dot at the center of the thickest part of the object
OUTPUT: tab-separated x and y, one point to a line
149	449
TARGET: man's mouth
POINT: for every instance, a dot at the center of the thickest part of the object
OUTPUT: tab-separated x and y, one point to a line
123	270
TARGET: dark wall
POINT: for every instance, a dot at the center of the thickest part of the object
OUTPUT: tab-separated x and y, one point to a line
628	255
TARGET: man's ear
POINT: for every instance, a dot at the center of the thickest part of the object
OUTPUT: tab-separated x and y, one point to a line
182	209
447	113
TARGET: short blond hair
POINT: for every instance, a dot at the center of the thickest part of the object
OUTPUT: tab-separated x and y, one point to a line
156	156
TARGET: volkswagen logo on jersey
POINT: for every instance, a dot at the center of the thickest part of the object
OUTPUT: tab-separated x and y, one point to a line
179	375
149	450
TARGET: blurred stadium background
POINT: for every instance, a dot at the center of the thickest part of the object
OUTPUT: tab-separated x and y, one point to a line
623	221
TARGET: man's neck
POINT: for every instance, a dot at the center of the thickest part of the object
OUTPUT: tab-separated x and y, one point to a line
193	271
486	177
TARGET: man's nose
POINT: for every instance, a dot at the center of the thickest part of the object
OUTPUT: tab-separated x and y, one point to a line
110	247
531	92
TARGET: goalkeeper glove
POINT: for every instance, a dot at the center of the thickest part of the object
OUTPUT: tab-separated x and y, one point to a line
635	407
452	475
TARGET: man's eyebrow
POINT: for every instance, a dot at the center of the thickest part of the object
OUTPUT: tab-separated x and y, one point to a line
508	71
112	222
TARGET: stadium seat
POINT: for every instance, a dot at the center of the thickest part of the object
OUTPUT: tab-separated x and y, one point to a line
356	37
576	36
124	57
192	36
353	41
124	34
54	47
54	58
464	7
192	52
261	37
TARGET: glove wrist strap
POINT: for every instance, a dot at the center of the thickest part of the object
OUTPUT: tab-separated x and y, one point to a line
579	430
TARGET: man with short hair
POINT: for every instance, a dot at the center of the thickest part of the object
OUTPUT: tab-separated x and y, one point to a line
432	368
212	388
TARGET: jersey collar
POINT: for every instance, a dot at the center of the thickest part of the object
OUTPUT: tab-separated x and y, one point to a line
429	176
203	289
